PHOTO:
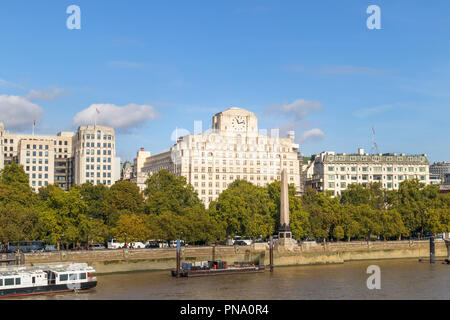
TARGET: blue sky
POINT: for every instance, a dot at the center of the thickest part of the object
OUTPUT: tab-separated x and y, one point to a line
156	65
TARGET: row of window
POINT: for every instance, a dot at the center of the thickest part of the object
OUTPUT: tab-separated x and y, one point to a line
231	177
34	161
105	182
374	177
72	276
343	185
36	168
91	167
375	158
9	282
92	159
39	183
376	169
99	136
196	160
91	174
35	154
99	145
92	152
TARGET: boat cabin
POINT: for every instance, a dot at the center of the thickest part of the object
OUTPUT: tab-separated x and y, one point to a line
14	280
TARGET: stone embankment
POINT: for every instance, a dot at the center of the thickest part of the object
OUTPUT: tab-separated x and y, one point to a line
128	260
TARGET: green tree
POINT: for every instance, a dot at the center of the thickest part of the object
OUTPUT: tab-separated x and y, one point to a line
338	233
132	227
246	209
124	197
167	192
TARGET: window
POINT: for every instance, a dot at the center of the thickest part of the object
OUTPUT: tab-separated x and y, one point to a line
17	281
63	277
73	276
82	276
9	282
1	282
330	168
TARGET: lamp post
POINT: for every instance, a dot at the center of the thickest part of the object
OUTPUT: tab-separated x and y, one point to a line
126	244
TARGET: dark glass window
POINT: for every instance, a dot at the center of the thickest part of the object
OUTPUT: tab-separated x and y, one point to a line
63	277
82	276
17	280
9	282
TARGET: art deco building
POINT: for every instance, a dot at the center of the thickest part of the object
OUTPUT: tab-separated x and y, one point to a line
233	149
52	159
334	172
95	156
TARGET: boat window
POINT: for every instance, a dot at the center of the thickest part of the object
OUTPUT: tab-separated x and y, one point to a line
73	276
9	282
82	276
63	277
17	280
1	282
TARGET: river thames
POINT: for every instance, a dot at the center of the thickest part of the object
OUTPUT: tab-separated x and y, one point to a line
400	279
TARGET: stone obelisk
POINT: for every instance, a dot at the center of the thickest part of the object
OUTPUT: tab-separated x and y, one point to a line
285	233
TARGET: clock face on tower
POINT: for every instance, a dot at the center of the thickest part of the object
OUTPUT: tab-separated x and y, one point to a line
238	123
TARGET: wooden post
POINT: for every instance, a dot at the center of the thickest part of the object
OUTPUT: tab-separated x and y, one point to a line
178	257
271	253
432	250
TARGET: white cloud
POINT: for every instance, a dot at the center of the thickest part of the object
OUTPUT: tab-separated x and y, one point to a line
44	95
18	113
311	135
118	117
299	108
367	112
352	70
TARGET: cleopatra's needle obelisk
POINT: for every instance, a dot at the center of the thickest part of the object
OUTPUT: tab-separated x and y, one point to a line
285	233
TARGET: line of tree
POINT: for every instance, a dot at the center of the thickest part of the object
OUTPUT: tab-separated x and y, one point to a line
169	207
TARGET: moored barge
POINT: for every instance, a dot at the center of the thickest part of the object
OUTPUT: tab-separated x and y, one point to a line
213	268
54	278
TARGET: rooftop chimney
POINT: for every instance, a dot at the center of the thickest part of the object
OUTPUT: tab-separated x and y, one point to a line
361	151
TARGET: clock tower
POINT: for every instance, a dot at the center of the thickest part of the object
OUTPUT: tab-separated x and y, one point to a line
235	121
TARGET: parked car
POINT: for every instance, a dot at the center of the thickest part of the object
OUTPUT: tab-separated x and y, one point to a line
152	246
240	243
97	246
247	240
50	248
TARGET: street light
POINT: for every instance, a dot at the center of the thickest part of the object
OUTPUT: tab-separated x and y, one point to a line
126	245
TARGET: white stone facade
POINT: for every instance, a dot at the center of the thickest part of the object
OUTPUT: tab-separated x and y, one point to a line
334	172
95	156
58	159
233	149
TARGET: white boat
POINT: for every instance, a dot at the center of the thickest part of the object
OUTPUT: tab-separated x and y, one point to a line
50	278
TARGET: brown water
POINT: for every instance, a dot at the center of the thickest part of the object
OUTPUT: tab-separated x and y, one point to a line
400	279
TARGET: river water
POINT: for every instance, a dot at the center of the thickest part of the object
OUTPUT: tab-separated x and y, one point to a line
400	279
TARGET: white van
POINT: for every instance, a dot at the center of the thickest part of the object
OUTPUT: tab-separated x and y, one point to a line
113	244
